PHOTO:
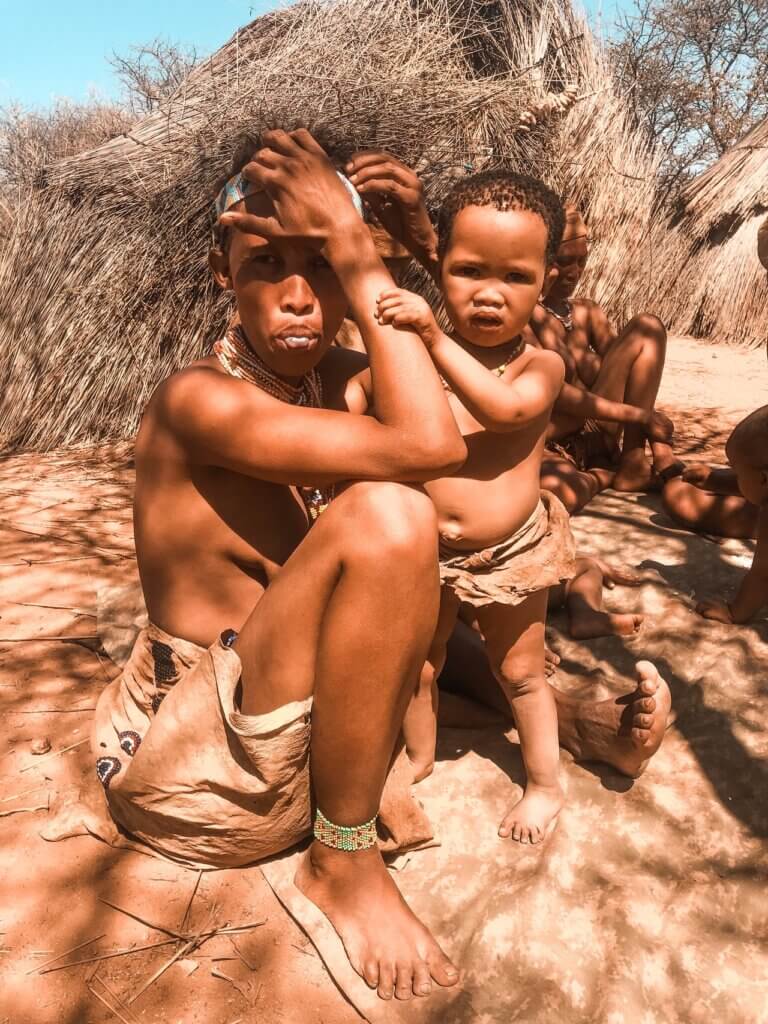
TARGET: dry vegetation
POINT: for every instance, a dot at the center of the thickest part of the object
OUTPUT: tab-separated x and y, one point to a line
104	287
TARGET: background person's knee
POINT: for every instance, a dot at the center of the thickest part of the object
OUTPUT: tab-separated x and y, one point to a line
650	325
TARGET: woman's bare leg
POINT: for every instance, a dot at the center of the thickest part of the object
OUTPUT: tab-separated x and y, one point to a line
350	618
725	515
583	596
624	732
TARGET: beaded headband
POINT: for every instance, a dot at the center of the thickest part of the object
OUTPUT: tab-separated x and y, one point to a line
238	187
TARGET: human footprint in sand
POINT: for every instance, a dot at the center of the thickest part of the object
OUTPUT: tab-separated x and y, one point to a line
503	542
583	599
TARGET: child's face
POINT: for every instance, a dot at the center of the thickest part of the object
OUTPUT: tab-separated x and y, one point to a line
290	301
493	272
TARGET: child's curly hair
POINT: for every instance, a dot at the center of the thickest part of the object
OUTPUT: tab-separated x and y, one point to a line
503	190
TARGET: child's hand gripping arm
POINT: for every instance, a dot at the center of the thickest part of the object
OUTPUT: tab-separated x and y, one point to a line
500	406
752	595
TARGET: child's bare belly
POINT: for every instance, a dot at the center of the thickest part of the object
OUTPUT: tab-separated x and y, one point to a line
492	495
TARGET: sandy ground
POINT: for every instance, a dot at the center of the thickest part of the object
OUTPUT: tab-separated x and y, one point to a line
671	869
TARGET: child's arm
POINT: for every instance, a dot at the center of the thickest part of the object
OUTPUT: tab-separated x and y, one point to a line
753	592
500	406
573	401
716	481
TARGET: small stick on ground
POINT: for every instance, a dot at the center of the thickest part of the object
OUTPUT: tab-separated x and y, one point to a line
191	899
112	1009
181	952
108	956
54	753
66	952
45	639
114	995
141	920
22	810
55	711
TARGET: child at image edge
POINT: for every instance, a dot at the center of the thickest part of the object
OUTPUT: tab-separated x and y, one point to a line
503	542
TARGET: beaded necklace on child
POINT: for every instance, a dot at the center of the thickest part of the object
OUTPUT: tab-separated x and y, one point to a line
239	360
497	371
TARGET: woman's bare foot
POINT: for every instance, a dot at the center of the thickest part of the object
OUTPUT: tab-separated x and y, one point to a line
585	623
386	943
533	818
551	661
624	732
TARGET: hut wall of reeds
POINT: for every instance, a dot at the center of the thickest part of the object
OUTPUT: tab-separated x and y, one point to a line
104	286
709	281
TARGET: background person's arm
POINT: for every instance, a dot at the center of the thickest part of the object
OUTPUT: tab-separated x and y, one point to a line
573	401
752	594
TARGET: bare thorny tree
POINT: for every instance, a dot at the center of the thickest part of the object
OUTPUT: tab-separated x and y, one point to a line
697	75
152	73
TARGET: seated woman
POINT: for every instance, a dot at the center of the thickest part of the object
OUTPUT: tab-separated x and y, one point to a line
605	412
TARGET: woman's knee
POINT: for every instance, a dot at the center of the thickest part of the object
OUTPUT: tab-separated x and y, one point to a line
650	326
391	518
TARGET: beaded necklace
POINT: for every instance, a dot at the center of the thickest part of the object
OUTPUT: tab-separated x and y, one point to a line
567	320
497	371
239	360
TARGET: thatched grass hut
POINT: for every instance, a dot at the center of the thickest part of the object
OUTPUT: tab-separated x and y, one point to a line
709	279
104	288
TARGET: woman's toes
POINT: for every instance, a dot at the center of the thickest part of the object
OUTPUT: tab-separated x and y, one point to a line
386	986
371	973
517	832
642	721
442	970
404	982
422	981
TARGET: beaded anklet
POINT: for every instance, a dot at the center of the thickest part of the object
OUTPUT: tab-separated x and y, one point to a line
345	837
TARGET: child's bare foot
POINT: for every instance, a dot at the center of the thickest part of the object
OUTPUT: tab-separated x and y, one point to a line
420	731
624	732
585	623
533	818
386	943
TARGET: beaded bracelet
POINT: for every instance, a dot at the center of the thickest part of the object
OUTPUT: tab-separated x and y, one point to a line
345	837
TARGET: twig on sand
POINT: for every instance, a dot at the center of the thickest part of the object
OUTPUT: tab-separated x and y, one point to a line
113	995
66	952
35	639
55	607
109	1006
181	952
21	810
54	711
24	792
108	956
141	920
54	753
191	899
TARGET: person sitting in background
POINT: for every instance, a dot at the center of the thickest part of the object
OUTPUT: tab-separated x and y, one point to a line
731	503
606	410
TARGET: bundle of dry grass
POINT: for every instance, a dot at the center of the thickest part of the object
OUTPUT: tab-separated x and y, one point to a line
710	282
104	288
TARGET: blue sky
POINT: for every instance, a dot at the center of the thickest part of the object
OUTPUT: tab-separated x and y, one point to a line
60	48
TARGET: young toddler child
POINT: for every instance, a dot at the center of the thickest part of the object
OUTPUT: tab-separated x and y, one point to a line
731	503
503	541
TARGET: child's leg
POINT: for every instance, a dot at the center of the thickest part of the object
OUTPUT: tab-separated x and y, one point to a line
704	512
584	601
420	722
514	639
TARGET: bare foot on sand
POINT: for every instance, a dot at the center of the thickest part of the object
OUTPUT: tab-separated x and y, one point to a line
551	661
386	943
635	473
624	732
533	818
585	623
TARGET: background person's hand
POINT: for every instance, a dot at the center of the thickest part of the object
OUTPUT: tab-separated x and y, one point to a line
660	427
395	194
717	611
309	198
698	475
